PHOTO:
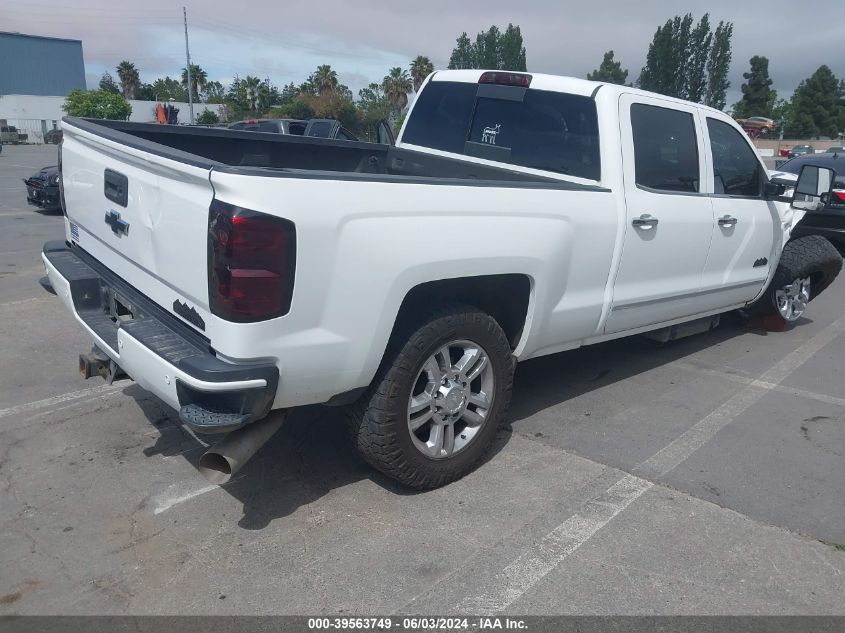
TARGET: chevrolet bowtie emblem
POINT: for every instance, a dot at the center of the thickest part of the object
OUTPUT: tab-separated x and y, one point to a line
118	226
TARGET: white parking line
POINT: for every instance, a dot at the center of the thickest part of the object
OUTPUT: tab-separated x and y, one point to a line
542	557
49	402
695	437
745	380
551	550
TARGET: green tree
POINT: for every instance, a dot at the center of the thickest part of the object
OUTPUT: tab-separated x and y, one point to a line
145	92
817	107
108	84
396	86
487	53
463	55
658	74
491	49
701	40
758	96
324	80
421	67
199	81
373	104
674	64
289	93
718	66
687	61
129	78
255	94
297	108
214	92
208	117
168	88
512	49
609	71
97	104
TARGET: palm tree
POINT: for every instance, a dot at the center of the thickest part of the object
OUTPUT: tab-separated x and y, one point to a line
421	67
129	78
199	80
325	80
396	85
256	92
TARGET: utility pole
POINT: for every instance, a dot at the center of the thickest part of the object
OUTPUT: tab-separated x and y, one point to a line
188	67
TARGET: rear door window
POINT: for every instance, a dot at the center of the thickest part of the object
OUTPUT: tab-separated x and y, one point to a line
545	130
665	149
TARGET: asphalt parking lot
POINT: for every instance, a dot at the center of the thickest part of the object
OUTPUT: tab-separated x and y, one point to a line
705	476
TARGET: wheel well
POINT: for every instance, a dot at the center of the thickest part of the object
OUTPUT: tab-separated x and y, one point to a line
504	297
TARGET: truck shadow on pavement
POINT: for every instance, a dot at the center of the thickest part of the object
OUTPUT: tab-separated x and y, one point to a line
311	456
551	380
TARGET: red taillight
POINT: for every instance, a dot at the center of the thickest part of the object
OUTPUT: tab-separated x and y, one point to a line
251	261
839	194
505	79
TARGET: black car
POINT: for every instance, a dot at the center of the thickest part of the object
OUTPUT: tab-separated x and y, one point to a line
828	221
42	189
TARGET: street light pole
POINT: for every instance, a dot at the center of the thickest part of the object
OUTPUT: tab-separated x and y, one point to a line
188	67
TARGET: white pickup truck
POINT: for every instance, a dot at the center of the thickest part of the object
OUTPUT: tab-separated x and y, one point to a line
234	274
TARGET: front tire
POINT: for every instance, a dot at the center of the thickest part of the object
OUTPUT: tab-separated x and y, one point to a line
438	400
807	267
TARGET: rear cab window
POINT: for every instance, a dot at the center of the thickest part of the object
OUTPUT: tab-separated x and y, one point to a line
545	130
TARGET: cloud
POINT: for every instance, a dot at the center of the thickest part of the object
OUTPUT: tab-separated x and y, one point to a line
362	40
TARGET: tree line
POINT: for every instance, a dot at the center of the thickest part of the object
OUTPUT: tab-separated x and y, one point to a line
691	61
321	95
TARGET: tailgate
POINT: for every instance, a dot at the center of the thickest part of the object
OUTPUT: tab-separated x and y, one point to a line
142	215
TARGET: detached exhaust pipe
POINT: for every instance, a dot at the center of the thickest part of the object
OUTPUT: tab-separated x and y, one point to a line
220	463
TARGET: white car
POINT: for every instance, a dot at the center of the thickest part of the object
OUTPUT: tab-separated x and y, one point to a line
518	215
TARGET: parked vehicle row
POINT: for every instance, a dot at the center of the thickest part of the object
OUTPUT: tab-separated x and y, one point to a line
236	274
315	128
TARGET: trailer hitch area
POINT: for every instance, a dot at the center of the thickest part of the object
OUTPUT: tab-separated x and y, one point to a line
96	363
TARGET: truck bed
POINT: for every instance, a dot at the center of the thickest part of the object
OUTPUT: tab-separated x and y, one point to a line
235	151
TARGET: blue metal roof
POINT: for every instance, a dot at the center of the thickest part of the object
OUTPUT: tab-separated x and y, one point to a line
36	65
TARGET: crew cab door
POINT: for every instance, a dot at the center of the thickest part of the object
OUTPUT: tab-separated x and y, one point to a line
669	221
746	226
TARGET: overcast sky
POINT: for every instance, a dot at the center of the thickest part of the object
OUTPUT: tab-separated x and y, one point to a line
285	41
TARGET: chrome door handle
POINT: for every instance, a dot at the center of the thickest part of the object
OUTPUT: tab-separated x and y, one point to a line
645	221
728	220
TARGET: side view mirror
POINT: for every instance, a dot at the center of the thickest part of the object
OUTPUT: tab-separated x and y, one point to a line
773	190
813	188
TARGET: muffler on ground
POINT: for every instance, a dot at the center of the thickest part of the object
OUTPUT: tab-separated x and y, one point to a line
220	463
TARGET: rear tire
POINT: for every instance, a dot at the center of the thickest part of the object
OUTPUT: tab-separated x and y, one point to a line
417	387
810	259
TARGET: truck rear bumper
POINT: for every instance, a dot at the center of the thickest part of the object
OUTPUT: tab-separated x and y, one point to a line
158	351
